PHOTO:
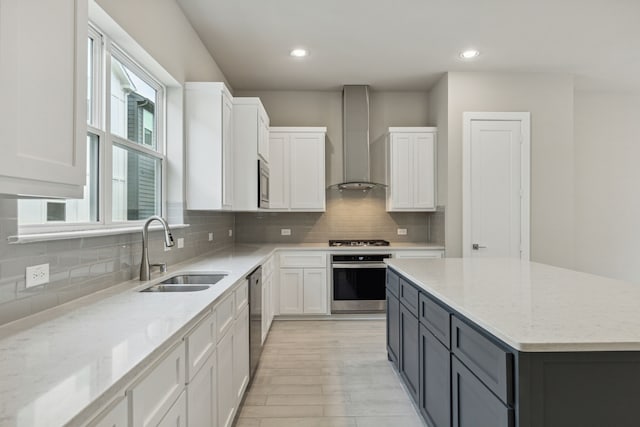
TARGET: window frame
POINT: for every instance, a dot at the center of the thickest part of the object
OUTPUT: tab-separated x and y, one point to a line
99	124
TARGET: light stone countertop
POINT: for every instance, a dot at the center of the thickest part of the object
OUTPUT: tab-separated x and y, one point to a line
63	365
533	307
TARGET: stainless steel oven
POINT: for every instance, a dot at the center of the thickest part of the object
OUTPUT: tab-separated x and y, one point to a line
263	185
358	283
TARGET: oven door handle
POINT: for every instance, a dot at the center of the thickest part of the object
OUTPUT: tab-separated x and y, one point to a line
373	265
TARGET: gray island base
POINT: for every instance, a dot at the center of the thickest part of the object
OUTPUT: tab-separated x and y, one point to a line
465	367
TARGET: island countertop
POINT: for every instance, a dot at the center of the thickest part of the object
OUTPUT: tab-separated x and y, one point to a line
533	307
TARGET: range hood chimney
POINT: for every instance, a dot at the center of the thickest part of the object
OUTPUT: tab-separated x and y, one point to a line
355	139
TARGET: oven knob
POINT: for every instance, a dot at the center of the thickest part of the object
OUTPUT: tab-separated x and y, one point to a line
360	258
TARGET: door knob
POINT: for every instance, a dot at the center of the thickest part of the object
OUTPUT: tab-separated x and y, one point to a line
477	246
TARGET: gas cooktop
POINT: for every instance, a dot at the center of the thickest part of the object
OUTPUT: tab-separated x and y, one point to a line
358	243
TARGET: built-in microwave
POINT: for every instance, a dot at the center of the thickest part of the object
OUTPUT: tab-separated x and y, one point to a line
263	185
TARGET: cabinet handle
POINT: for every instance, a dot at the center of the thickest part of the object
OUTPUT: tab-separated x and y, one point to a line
477	246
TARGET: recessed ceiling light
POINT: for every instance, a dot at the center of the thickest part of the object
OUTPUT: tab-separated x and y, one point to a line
469	54
299	53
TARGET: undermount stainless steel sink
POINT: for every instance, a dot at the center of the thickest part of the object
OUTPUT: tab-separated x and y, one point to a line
186	283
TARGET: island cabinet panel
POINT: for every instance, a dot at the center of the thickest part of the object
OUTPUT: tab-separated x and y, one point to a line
435	383
472	404
409	296
492	364
393	283
393	328
409	351
436	318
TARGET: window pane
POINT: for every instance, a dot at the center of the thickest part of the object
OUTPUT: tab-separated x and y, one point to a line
136	185
90	81
133	106
85	210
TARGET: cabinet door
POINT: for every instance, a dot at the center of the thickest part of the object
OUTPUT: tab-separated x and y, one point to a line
306	178
226	395
201	396
424	171
435	380
227	152
266	306
291	301
409	365
279	171
393	328
241	353
118	416
401	185
263	135
177	415
315	290
43	82
473	404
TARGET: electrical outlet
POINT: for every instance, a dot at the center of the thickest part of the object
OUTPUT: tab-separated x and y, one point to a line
285	232
230	232
402	231
180	242
210	237
37	275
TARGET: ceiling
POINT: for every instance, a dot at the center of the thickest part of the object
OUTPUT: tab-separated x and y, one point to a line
409	44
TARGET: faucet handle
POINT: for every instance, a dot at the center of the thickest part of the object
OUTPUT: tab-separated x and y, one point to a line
161	266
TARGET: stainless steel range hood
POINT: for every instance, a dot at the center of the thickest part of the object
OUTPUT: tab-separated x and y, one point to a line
355	139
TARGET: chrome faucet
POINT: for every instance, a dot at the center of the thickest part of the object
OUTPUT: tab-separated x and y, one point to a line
145	267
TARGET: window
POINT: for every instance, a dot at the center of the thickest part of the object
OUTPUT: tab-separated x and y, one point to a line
125	148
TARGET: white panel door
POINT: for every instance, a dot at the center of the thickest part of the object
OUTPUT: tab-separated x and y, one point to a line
307	182
279	171
227	152
402	163
424	166
315	291
291	280
201	396
495	187
226	395
43	82
241	353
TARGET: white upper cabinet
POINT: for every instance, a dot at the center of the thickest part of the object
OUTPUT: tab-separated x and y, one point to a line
251	128
406	161
43	82
210	154
297	169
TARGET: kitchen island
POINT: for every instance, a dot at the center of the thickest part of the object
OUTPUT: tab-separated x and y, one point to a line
501	342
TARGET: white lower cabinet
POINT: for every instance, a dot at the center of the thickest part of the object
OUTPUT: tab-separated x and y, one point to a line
118	416
154	394
226	395
241	353
303	283
177	415
201	395
314	291
291	297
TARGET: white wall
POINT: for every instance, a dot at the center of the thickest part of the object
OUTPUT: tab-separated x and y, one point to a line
549	98
324	108
607	182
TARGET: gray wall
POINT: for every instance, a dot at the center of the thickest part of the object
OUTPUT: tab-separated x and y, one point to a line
549	98
607	173
349	215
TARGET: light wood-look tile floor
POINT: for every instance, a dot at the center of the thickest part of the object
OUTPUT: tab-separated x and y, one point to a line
326	374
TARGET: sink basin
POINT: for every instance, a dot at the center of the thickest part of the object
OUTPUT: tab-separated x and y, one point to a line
176	288
186	283
194	279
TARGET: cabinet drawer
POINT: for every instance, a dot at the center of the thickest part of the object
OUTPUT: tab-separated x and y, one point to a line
242	296
201	342
409	296
436	318
473	404
116	416
303	259
152	397
224	311
419	254
492	364
393	283
177	415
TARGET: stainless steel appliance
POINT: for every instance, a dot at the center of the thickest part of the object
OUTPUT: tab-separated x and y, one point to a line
263	185
358	280
255	319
